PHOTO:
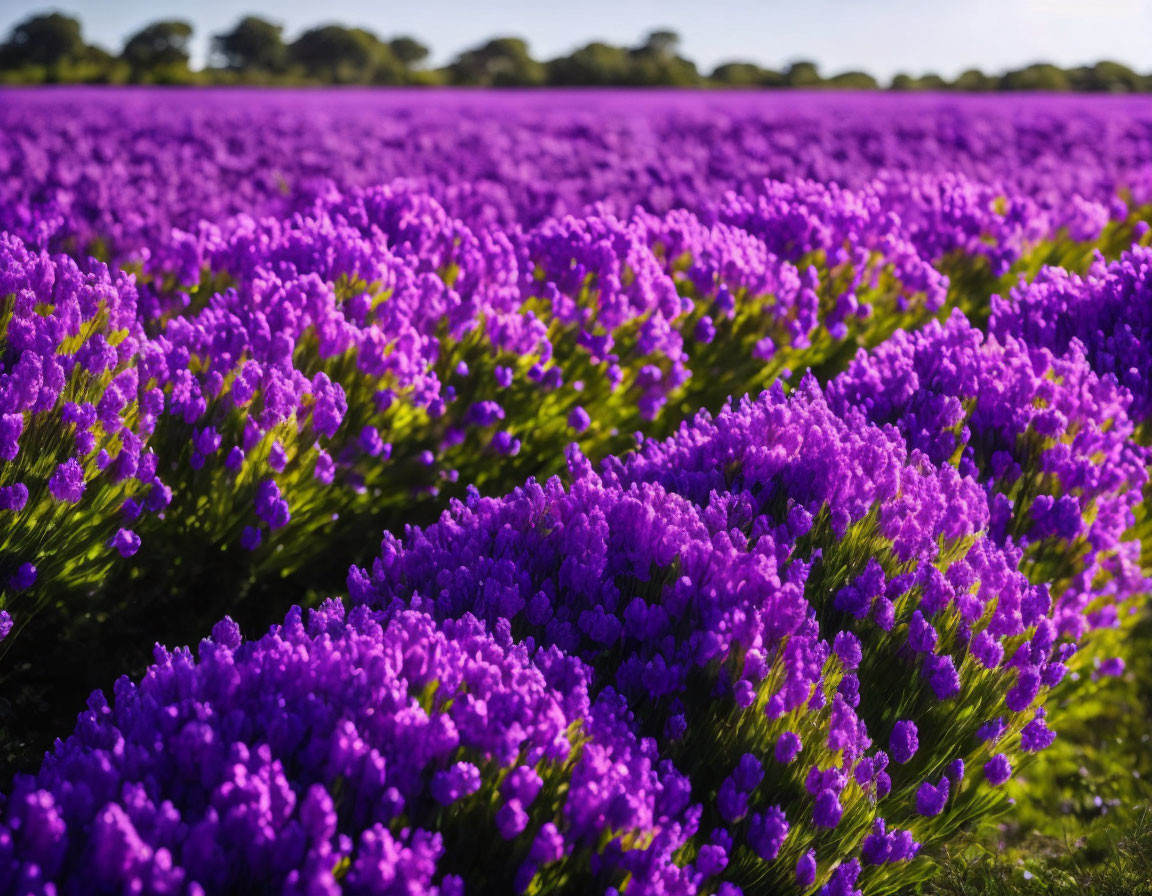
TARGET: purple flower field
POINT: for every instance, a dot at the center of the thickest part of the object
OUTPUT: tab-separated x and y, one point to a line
561	492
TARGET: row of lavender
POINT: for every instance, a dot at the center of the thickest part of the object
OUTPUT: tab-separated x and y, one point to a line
121	168
779	581
786	648
266	379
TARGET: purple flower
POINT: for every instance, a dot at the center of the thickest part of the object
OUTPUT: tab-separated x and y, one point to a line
1036	735
126	542
705	330
921	635
827	809
370	441
848	649
207	441
986	649
788	746
1021	694
503	443
67	483
767	832
13	497
942	676
452	784
24	577
806	870
235	459
325	470
997	769
511	819
578	419
843	880
903	743
522	785
11	426
270	507
250	538
930	799
993	730
1111	667
277	458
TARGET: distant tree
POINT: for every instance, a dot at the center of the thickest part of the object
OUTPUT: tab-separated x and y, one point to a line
1040	76
656	62
974	79
159	52
803	74
501	62
1106	77
930	81
746	74
409	51
254	44
662	42
853	81
336	55
596	64
47	40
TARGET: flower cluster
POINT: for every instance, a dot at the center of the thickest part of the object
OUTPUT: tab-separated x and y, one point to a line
1107	313
347	752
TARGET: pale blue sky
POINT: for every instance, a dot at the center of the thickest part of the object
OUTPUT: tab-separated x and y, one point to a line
880	36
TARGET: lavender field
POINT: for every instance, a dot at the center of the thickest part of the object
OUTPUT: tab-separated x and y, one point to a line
563	492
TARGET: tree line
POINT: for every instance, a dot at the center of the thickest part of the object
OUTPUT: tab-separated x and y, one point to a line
50	48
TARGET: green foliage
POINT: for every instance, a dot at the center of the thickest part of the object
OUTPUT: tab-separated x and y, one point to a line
746	74
499	62
43	40
254	44
158	53
802	74
1122	867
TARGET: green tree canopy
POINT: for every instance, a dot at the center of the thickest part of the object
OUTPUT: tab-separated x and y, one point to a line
656	62
746	74
596	64
500	62
1106	77
158	49
339	55
803	73
853	81
47	40
254	44
409	51
974	79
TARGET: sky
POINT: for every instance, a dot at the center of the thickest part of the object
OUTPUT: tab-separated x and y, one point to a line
882	37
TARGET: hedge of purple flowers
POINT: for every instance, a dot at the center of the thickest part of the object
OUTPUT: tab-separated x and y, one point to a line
693	534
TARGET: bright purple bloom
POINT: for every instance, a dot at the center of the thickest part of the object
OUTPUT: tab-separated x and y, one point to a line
827	810
788	745
67	483
903	743
767	832
930	799
126	542
578	419
997	769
